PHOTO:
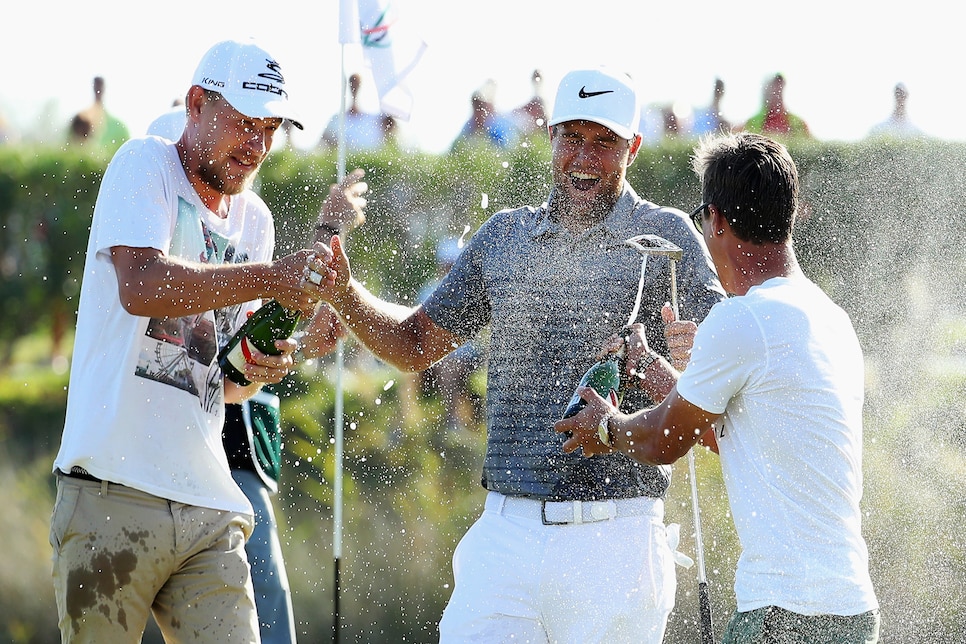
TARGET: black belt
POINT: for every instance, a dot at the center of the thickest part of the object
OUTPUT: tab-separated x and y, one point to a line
80	473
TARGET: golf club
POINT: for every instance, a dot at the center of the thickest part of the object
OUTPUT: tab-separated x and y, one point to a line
648	245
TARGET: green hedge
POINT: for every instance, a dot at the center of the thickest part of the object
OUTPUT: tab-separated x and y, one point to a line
856	197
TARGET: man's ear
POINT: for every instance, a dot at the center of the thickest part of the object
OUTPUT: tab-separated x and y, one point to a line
194	101
716	221
635	148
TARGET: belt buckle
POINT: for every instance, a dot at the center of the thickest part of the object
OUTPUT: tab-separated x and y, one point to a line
576	512
598	510
543	515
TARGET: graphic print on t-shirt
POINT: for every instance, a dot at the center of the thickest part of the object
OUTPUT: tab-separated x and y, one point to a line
180	351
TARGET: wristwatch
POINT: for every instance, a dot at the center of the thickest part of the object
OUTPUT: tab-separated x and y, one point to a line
329	228
603	429
646	361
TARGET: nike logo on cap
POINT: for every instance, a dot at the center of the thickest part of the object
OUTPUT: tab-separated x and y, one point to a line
583	93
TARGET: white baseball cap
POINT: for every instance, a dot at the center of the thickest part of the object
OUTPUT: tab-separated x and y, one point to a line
599	95
249	79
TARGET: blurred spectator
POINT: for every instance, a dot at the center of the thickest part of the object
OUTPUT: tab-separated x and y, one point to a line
252	436
170	125
363	130
709	120
531	117
662	121
674	117
898	125
450	377
80	129
390	125
774	119
106	130
485	123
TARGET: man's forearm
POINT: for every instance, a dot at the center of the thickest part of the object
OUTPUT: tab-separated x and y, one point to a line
151	284
658	378
175	289
235	393
662	434
391	331
342	210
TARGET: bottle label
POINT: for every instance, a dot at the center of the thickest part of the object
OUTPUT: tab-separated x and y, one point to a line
240	355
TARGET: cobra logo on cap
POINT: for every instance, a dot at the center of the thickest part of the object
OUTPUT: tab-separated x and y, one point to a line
274	74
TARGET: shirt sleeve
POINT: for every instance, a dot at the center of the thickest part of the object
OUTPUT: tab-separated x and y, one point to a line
459	304
728	346
131	207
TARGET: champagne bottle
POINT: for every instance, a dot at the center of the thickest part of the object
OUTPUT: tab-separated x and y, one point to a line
269	323
605	378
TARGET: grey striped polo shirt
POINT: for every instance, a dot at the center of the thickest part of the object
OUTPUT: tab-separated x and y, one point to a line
551	298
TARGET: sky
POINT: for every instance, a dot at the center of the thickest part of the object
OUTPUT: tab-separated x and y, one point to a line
841	60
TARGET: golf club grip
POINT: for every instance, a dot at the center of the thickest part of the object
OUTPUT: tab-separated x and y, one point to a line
704	606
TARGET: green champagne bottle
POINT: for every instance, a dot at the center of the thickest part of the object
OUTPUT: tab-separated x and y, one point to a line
604	376
269	323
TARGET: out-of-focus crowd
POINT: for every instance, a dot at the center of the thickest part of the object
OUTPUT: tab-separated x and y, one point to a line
96	126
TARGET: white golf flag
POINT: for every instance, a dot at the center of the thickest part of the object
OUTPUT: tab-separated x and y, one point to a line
349	22
390	49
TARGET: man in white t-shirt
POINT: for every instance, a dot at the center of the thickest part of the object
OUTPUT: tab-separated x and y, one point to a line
147	517
777	373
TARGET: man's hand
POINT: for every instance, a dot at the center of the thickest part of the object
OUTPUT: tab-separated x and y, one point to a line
291	282
582	428
329	272
680	337
343	209
322	334
267	369
632	339
262	369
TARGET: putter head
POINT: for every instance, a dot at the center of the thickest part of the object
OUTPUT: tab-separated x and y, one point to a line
654	245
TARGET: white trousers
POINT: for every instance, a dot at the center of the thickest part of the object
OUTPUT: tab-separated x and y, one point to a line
610	581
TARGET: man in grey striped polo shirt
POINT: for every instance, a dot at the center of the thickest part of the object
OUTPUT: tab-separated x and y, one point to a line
567	549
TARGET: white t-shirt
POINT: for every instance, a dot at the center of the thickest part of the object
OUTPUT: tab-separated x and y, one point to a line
784	366
146	401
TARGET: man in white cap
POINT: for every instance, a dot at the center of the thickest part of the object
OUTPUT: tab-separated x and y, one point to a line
147	517
567	549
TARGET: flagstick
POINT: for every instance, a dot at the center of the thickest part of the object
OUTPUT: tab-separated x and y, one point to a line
339	363
704	595
351	30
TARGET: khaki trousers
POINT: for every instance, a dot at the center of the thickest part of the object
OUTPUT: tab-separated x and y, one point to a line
120	554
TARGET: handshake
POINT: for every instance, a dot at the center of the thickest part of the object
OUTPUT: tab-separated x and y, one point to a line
303	279
262	351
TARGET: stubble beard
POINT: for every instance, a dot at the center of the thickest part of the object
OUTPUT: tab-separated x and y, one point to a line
217	180
589	210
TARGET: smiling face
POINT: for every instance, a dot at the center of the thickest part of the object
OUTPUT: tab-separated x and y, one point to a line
222	148
589	165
